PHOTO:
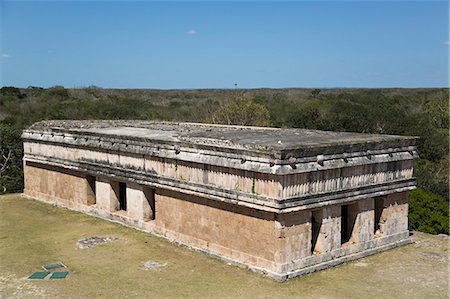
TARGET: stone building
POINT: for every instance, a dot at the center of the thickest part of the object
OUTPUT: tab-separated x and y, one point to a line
281	201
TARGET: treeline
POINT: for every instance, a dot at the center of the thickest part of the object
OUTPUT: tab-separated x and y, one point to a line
416	112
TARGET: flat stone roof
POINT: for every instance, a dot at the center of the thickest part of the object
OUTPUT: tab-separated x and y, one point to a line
255	139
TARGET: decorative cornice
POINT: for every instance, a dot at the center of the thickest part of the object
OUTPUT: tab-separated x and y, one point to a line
235	197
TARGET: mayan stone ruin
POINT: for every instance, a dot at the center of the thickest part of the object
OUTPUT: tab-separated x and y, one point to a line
281	201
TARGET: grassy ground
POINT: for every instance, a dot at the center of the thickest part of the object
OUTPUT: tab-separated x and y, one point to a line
33	233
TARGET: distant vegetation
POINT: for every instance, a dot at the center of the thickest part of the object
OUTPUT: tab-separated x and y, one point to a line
417	112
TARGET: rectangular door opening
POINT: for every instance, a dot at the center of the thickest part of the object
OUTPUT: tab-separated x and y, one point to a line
316	224
122	196
344	229
90	196
349	213
149	209
379	205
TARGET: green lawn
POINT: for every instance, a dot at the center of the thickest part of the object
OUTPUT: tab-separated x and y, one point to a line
33	233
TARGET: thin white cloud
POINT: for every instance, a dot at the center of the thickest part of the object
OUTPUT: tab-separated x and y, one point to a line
191	32
4	55
447	43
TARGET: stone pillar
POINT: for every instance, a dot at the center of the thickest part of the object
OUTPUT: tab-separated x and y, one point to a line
135	197
138	205
329	235
363	229
107	194
394	217
294	233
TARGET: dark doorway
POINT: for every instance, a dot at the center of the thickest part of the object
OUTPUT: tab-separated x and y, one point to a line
349	213
379	205
316	224
345	236
150	214
90	190
122	196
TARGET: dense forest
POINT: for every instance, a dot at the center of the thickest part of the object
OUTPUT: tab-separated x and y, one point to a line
415	112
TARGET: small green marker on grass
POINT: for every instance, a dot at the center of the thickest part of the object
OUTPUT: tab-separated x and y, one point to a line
49	267
38	275
59	275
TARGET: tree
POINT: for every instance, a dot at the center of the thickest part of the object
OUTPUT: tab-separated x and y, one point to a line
240	110
11	91
315	92
5	159
58	92
428	212
11	173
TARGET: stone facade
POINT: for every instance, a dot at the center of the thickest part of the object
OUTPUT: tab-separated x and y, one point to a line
284	202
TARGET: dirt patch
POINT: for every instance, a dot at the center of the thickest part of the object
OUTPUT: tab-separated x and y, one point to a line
361	264
149	265
13	287
436	256
94	241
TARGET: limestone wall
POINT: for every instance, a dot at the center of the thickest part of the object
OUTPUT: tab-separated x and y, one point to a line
56	185
238	233
294	235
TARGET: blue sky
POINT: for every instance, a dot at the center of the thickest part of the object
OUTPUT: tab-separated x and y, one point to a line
212	44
